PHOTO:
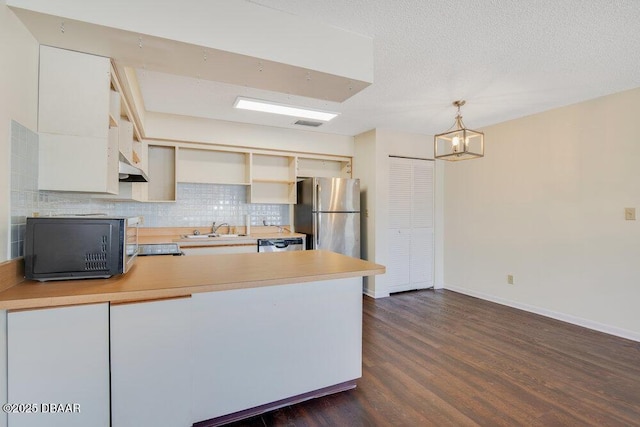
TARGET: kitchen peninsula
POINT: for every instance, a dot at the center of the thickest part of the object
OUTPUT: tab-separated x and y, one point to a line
194	338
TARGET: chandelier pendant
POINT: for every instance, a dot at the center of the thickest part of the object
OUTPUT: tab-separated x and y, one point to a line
458	143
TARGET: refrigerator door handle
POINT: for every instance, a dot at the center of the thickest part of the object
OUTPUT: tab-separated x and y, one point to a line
316	216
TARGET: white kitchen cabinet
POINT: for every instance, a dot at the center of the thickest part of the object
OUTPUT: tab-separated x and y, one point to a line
150	363
216	250
59	356
248	352
78	152
411	226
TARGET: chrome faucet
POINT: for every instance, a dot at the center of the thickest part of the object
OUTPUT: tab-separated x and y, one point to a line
214	227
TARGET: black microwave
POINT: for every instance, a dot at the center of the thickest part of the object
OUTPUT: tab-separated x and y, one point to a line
79	247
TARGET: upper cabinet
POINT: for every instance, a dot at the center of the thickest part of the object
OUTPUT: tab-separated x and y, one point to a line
206	166
87	126
270	176
76	122
162	186
273	179
325	167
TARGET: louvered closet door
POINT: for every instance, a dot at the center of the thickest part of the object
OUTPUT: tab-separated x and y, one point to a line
422	242
410	234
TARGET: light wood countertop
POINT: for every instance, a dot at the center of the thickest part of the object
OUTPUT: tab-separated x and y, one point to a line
157	277
175	235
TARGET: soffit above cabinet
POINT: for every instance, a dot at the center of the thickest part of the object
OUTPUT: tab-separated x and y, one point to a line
237	43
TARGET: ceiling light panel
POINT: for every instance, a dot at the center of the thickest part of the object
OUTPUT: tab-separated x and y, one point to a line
283	109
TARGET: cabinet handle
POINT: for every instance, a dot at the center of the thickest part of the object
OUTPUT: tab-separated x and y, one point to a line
316	217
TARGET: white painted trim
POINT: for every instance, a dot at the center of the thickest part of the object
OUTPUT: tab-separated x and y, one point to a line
368	293
590	324
374	294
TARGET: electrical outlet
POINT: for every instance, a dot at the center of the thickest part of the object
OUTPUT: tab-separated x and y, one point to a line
510	279
630	214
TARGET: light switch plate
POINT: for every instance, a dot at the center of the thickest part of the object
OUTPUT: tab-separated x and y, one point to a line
630	214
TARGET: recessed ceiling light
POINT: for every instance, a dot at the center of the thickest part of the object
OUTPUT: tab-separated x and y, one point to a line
286	110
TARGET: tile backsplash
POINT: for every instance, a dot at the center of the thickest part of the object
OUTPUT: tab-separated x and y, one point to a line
24	183
198	205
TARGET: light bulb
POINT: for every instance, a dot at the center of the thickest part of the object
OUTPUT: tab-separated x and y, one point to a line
455	142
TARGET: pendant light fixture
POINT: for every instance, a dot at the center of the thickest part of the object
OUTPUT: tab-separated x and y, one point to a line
458	143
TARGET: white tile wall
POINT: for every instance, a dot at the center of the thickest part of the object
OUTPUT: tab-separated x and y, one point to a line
24	183
198	205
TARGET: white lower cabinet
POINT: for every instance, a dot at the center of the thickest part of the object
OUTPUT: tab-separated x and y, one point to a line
58	365
178	361
150	364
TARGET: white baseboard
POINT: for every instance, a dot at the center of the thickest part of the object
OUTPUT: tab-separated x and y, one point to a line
367	292
374	294
590	324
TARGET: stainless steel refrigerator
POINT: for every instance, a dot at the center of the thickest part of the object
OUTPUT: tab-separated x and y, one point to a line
328	212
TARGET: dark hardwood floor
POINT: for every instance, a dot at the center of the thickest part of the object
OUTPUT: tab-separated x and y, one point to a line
438	358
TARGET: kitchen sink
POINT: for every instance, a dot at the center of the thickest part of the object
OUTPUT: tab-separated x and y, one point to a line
211	236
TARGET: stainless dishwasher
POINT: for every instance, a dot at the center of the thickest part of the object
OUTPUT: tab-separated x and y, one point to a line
280	245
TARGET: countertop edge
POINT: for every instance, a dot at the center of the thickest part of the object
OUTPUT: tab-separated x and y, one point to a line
17	302
150	295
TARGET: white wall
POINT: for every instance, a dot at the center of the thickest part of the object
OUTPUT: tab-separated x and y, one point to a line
546	204
364	168
371	165
194	129
19	89
18	86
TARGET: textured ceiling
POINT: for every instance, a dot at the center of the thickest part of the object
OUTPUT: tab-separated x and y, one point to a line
508	59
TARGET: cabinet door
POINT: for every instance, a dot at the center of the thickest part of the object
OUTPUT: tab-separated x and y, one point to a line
76	163
60	356
78	150
74	92
150	363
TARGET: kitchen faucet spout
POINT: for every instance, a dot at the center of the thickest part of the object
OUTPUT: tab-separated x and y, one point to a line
215	228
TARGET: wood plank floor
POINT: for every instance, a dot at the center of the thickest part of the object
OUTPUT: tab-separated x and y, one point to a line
439	358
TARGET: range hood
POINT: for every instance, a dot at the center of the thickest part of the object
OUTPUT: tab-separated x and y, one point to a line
130	173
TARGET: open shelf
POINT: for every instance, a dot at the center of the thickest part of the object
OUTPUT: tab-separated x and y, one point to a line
273	192
325	168
213	167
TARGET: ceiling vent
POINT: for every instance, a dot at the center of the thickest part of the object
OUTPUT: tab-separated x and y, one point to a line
308	123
